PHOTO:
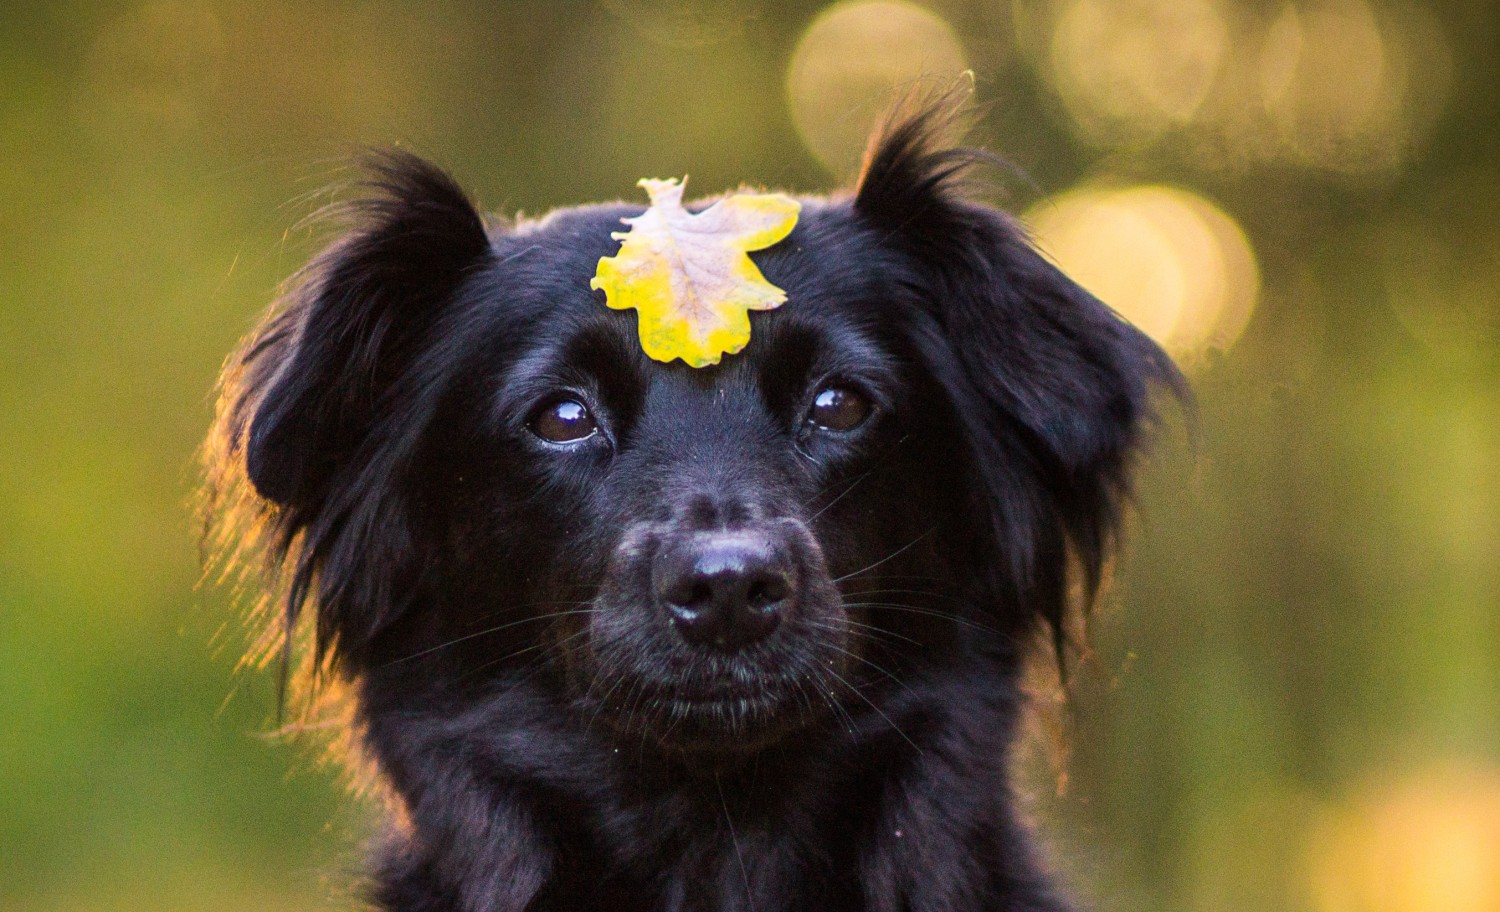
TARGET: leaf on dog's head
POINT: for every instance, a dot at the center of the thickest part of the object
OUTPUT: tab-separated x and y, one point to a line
688	275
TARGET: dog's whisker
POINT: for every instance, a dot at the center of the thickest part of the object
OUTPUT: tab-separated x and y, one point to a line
878	711
839	709
734	838
841	495
618	678
859	658
813	675
487	631
512	608
941	582
821	693
879	464
928	612
544	647
536	666
633	720
676	718
921	592
872	629
889	557
799	686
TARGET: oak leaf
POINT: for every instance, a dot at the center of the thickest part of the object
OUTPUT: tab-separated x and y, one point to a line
688	275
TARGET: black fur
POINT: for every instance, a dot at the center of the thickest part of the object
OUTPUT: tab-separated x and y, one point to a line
548	740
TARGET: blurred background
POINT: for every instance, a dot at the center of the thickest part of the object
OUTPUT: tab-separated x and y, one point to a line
1293	697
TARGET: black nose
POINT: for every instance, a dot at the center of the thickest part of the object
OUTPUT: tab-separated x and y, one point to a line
725	589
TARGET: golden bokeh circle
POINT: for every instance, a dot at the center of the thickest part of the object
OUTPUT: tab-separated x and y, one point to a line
1128	68
852	60
1166	259
1424	844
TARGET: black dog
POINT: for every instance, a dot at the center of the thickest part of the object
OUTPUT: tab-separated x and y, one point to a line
625	635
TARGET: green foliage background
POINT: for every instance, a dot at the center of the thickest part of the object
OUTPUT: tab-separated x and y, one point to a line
1306	623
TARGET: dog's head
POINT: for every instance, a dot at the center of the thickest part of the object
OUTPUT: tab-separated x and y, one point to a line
478	478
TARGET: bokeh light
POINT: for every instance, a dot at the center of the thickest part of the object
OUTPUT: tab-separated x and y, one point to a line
1166	259
1426	844
1343	86
851	60
1133	67
1336	80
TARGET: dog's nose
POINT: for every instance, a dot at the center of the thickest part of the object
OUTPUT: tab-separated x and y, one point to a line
725	589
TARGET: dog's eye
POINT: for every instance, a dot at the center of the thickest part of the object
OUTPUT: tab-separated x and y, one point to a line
838	408
563	421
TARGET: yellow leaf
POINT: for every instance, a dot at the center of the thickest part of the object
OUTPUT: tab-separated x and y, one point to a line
688	275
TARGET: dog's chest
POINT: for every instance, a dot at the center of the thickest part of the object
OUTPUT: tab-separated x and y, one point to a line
710	846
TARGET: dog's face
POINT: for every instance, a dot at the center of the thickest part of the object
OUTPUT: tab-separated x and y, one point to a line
486	481
691	539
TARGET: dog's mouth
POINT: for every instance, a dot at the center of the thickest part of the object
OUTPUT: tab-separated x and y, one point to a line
731	708
727	723
708	710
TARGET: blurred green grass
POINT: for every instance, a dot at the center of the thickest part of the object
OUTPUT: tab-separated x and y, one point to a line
1304	634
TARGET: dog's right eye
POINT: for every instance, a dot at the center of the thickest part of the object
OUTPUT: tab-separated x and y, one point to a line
563	421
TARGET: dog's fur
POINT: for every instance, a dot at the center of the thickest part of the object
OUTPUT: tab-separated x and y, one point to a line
548	739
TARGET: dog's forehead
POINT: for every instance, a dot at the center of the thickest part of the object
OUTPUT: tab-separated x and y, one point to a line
543	267
830	267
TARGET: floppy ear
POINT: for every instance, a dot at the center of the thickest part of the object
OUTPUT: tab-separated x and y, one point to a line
325	402
351	327
1044	372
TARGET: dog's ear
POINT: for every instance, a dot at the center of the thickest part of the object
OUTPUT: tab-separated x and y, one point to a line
323	406
1042	370
359	312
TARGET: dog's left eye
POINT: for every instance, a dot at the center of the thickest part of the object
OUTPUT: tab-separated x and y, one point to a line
838	408
563	421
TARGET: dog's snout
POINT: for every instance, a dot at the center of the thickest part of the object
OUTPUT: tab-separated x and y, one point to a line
706	512
726	590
